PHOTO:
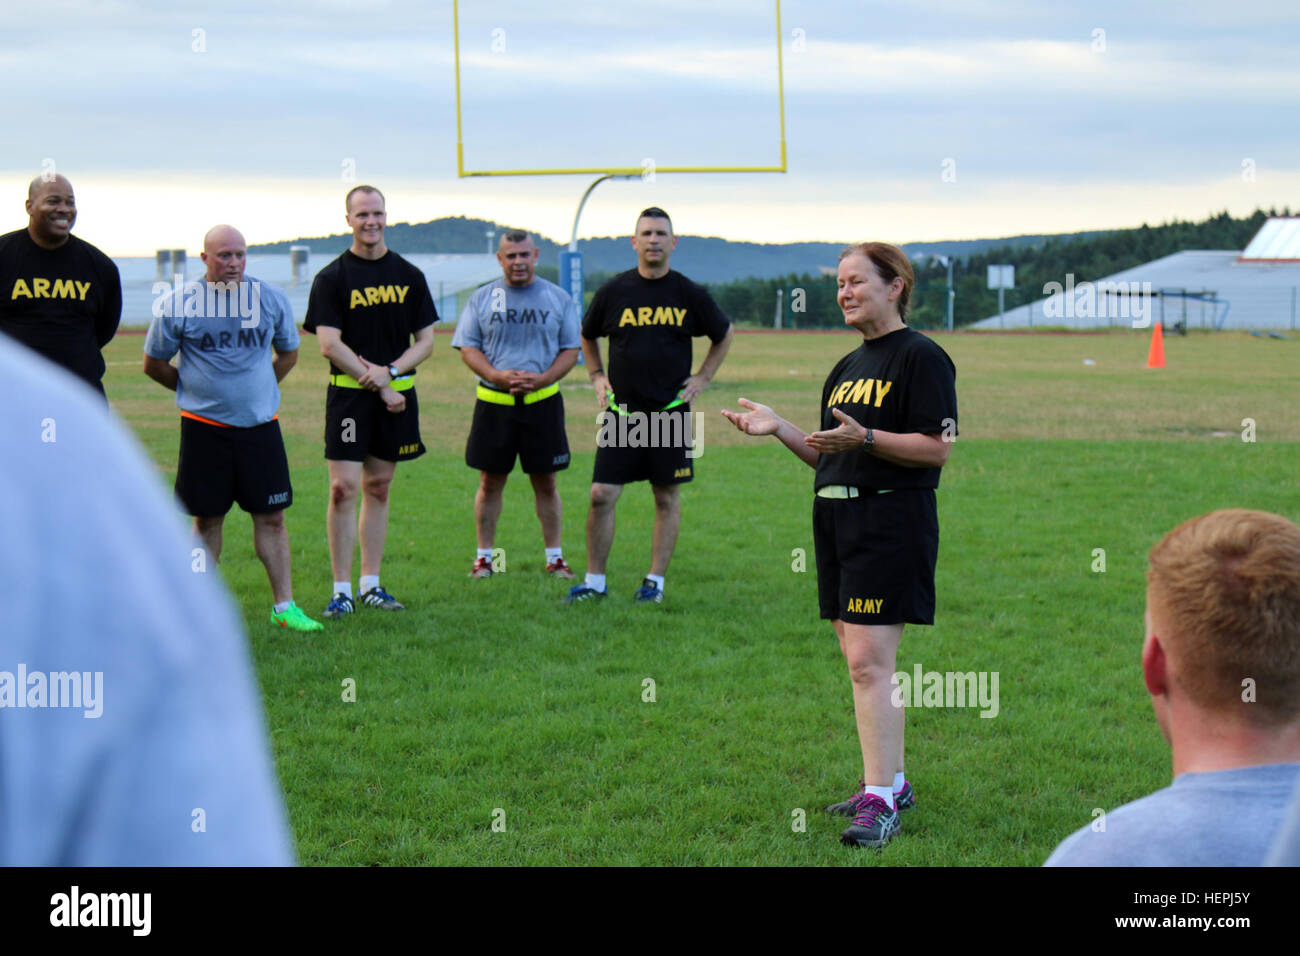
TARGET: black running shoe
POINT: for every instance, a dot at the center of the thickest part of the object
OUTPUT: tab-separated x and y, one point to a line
874	825
378	597
903	800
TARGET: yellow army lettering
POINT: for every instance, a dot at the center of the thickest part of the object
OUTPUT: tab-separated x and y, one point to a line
41	289
865	605
408	449
682	473
378	294
648	315
855	392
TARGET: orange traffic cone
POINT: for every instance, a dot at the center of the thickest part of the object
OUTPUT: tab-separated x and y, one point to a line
1156	357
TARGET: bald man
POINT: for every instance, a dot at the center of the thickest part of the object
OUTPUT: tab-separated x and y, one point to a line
59	295
225	326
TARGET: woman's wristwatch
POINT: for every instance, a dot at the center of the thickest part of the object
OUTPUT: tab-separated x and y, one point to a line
869	443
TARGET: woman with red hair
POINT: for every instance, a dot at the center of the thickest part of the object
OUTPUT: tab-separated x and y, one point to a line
889	415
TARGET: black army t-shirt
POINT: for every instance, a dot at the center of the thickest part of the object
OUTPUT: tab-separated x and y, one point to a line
377	305
64	303
901	382
650	324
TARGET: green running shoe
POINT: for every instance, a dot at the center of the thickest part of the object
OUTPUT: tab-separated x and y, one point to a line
294	619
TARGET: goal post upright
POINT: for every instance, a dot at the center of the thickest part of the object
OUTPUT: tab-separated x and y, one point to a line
455	36
570	266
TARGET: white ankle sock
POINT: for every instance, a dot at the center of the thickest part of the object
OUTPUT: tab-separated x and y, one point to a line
343	587
595	581
657	580
554	554
898	782
485	553
369	582
884	793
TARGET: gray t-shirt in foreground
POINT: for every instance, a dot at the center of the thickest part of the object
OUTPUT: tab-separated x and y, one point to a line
148	747
1286	847
225	338
515	328
1221	818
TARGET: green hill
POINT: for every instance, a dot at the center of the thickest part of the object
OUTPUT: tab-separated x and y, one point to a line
703	258
745	276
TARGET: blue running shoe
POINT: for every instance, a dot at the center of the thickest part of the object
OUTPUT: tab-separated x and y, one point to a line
580	592
648	592
339	606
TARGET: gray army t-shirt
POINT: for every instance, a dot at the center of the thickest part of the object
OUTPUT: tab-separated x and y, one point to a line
224	337
516	328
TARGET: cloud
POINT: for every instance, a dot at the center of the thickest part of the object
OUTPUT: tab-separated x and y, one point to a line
1013	93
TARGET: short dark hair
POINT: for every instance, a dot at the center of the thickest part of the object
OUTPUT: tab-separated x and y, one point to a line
347	202
44	178
654	212
515	235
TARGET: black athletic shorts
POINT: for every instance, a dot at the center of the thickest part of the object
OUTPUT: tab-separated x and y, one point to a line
876	556
358	425
641	446
219	466
534	432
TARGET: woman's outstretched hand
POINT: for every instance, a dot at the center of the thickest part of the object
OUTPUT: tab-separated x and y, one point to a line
759	420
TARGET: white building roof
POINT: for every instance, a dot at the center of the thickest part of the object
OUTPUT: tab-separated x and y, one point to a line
1207	289
1277	239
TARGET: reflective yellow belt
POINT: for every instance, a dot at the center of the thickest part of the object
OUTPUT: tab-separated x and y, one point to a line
613	403
505	398
846	491
400	384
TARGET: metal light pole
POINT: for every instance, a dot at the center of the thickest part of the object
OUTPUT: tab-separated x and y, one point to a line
571	259
573	239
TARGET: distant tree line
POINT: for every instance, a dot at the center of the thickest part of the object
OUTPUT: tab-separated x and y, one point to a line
809	300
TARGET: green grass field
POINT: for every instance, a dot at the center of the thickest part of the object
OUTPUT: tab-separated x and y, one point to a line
488	700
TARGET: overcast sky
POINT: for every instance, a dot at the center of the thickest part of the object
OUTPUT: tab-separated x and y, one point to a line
904	121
